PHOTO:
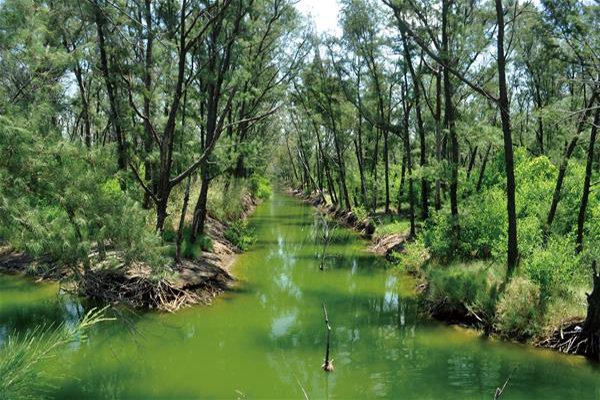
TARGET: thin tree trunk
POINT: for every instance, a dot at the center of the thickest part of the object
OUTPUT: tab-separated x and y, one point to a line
587	182
482	170
565	161
186	199
114	112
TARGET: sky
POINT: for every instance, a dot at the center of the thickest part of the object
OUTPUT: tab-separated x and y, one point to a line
324	14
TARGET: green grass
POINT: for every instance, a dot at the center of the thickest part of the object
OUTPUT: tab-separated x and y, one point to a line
391	227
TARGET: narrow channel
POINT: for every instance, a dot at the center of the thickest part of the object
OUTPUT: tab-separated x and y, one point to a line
267	338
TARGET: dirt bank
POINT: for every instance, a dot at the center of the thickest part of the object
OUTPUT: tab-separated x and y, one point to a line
189	282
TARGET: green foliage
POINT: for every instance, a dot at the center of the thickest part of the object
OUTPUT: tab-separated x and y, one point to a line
464	289
22	357
519	309
393	227
67	202
414	256
260	187
240	234
226	200
194	250
554	267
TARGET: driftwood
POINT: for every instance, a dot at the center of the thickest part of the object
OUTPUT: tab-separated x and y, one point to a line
328	364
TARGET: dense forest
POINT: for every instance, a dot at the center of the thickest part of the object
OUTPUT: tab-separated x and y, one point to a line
133	130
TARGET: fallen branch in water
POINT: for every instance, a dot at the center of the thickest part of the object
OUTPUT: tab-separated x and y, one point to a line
328	364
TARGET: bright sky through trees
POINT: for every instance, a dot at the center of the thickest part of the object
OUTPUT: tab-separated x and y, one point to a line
324	13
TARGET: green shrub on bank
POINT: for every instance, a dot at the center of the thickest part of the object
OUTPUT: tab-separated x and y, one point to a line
464	289
65	202
194	250
519	309
240	234
553	267
413	257
260	187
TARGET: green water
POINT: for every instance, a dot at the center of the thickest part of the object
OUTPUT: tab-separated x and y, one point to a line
267	338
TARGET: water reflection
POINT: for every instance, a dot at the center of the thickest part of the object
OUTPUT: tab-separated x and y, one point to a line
267	339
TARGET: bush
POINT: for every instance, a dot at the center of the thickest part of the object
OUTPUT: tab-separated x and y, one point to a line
518	312
225	201
413	257
554	267
464	289
260	187
438	236
194	250
240	234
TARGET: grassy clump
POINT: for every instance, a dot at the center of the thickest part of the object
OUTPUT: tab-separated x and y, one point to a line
519	310
22	357
461	291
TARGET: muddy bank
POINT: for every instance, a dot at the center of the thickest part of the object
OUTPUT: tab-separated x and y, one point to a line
185	283
382	245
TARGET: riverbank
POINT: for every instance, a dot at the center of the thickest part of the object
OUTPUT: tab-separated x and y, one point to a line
197	279
442	289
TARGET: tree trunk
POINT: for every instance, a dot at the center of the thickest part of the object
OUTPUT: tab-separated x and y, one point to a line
587	182
106	73
420	129
186	199
199	219
591	325
401	188
482	170
565	161
512	251
438	138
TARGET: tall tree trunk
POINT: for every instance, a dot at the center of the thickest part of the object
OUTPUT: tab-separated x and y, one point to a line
149	166
587	182
115	120
420	129
513	251
401	187
438	137
186	199
407	151
565	161
449	124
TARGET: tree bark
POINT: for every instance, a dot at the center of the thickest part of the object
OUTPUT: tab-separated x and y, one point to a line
565	161
587	183
512	251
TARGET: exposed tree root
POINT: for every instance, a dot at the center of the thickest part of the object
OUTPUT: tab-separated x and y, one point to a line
140	290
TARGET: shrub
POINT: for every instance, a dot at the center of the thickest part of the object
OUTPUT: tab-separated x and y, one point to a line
413	257
194	250
464	289
438	236
240	234
260	187
519	309
554	267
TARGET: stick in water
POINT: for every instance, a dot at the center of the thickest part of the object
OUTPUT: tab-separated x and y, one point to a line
328	364
500	391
